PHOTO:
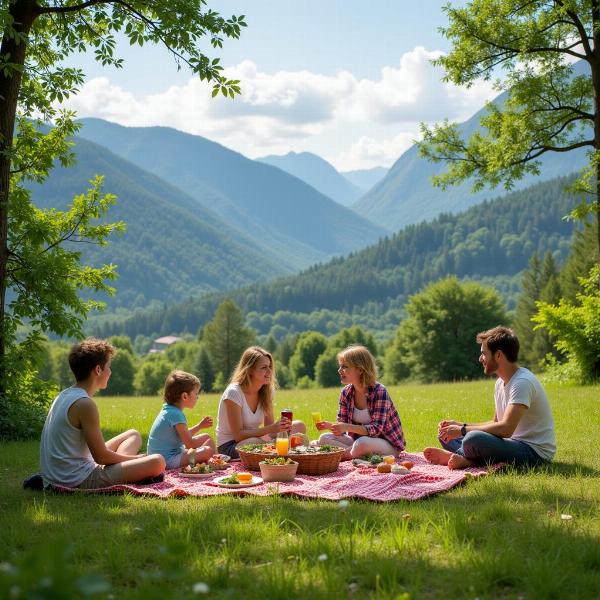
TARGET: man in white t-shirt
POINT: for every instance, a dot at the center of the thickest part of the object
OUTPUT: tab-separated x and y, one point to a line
522	431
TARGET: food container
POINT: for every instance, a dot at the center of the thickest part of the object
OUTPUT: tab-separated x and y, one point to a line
278	472
313	463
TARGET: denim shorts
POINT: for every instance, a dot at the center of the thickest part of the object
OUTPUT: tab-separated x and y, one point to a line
229	448
174	462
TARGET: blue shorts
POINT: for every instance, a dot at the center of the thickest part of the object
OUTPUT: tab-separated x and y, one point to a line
174	462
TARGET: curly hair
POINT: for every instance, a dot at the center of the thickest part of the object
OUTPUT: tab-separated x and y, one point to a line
87	355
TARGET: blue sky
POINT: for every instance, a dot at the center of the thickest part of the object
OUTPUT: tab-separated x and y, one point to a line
345	79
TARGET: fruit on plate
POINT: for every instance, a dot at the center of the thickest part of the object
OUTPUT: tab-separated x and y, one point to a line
296	440
244	477
399	470
216	462
374	459
407	464
199	469
384	468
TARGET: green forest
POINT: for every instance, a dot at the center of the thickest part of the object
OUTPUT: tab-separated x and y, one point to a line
491	242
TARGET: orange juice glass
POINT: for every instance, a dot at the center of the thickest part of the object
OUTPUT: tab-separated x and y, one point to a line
390	460
316	417
282	445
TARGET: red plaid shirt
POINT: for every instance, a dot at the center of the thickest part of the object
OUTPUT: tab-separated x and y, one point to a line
385	420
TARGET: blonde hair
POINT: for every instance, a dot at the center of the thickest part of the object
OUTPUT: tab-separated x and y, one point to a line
177	383
241	374
362	359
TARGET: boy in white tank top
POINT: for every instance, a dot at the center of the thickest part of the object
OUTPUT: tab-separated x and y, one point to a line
73	452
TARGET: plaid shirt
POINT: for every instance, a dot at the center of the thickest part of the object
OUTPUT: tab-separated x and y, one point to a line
385	421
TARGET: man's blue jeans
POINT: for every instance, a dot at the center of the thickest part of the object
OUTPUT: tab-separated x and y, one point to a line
484	448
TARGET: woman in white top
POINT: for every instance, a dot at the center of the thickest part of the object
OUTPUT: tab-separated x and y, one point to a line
246	408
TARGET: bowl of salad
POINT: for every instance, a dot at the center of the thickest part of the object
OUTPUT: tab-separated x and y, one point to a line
278	469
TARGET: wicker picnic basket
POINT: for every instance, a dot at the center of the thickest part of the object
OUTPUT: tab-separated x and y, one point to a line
314	463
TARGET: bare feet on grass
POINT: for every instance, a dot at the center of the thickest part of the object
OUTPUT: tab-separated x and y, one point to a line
437	456
457	461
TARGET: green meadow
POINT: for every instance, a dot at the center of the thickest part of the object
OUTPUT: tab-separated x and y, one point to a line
529	534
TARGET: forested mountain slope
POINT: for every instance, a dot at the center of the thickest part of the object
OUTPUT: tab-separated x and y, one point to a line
406	195
493	239
174	247
278	210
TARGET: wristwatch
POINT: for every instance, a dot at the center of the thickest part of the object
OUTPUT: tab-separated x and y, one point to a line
463	430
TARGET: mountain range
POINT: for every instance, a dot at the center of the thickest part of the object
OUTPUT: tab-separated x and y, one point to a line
318	173
203	218
286	216
174	247
218	235
365	179
406	195
487	242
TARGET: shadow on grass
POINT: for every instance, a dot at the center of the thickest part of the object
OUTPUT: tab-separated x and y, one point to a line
499	536
570	470
492	538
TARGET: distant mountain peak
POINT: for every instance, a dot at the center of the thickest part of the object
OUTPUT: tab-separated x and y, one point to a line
316	172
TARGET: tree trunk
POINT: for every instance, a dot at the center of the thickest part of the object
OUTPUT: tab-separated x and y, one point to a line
23	13
595	65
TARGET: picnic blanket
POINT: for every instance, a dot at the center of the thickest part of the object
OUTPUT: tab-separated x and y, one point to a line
348	481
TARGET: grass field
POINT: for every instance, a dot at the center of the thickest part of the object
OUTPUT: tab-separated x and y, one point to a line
532	534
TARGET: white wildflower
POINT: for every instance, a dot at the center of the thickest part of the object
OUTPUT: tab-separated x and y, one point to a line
200	588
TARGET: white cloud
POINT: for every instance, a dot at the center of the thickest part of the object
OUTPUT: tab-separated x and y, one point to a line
375	119
369	152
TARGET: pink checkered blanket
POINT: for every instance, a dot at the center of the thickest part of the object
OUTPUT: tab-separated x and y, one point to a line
348	481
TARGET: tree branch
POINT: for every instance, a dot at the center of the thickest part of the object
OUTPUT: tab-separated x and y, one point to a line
44	10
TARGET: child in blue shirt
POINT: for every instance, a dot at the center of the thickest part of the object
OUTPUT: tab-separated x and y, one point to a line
170	435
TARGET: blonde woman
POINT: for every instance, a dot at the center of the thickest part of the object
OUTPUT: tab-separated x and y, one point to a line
367	420
246	408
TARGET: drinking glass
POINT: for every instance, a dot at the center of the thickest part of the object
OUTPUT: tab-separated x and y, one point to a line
288	414
316	417
282	443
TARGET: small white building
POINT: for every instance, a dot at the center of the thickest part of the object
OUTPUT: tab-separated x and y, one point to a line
162	343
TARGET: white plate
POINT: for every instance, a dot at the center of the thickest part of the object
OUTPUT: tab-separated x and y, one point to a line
197	475
219	482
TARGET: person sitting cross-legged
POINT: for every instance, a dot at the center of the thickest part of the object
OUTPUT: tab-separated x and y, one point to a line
73	452
522	431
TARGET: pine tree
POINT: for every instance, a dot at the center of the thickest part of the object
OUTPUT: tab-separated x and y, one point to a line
580	261
540	283
226	337
531	283
205	370
543	342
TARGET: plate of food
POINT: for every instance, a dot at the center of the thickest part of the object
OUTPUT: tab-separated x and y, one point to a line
199	471
219	462
370	461
237	480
